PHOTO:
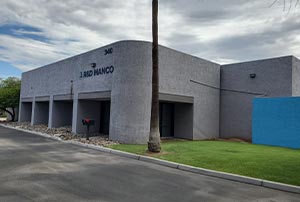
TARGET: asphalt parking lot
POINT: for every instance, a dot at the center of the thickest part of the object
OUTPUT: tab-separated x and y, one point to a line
34	168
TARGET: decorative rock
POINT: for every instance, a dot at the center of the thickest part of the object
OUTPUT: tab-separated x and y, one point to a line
64	133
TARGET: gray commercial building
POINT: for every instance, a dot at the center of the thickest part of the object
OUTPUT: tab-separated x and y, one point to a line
199	99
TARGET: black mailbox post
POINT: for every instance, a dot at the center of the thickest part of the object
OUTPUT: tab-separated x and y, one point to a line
88	123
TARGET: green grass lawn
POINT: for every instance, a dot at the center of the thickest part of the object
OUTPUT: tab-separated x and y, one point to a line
265	162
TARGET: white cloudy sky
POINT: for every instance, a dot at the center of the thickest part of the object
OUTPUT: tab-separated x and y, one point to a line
37	32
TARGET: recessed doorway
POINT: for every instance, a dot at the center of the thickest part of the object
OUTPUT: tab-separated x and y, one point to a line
176	120
104	117
166	119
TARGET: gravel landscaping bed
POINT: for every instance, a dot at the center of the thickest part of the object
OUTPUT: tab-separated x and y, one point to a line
64	133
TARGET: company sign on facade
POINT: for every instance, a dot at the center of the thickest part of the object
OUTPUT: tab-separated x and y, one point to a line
98	71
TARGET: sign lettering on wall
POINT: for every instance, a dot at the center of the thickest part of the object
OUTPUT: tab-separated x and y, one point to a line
98	71
108	51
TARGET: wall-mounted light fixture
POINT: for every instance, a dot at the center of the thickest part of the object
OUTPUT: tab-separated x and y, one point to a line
252	76
93	65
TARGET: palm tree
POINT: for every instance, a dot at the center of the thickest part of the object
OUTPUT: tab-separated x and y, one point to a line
154	136
291	2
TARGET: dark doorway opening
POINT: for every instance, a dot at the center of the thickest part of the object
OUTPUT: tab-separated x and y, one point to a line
104	117
97	110
166	119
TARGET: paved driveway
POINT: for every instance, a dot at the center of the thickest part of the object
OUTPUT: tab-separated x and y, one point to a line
34	168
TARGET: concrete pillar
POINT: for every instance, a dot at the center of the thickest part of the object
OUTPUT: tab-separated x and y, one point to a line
32	111
50	111
20	110
75	109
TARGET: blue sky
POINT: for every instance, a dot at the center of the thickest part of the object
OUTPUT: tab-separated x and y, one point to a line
22	32
7	70
35	33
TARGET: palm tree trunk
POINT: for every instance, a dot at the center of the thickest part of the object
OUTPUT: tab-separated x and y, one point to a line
154	137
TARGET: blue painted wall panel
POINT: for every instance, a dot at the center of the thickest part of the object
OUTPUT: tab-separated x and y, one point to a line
276	121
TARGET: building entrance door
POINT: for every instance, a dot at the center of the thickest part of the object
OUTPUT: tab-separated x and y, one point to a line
105	117
166	119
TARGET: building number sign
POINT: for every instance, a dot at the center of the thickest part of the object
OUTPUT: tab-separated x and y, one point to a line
98	71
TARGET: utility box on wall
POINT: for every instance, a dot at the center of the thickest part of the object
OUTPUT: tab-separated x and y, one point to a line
276	121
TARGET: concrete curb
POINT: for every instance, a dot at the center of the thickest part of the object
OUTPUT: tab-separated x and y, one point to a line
202	171
159	162
218	174
281	186
90	146
125	154
33	132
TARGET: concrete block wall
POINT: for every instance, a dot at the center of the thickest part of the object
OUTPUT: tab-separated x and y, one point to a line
131	101
41	113
183	120
221	95
186	75
25	113
296	77
273	79
62	113
131	93
130	87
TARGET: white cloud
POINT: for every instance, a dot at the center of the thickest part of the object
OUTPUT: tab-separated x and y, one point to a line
219	30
